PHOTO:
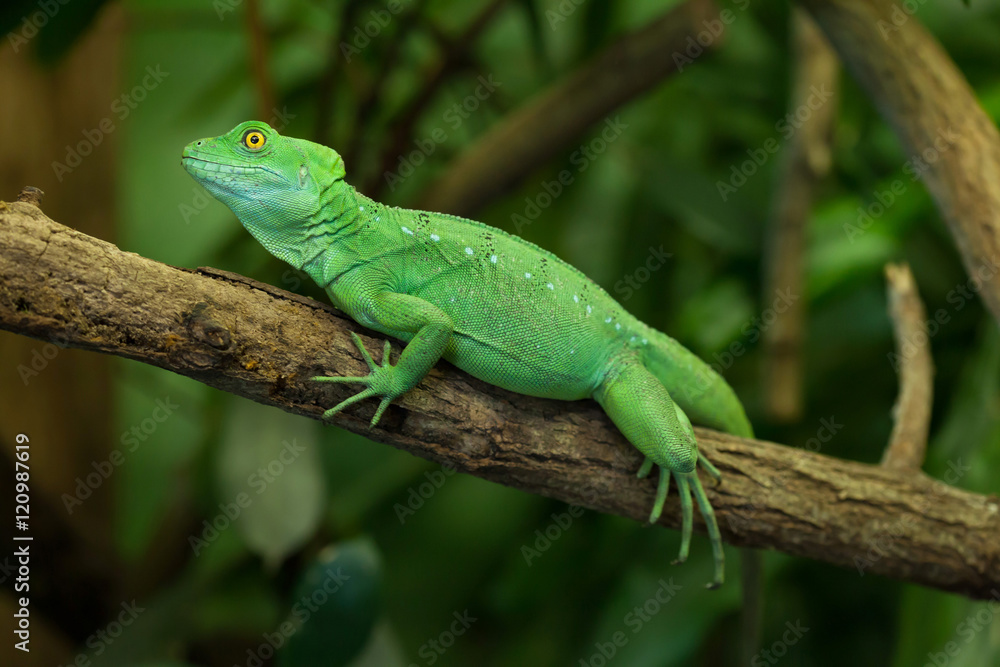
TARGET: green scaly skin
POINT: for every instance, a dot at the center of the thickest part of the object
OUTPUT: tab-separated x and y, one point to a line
496	306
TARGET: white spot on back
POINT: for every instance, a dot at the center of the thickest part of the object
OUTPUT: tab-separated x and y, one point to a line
550	286
527	275
576	298
493	258
644	341
406	231
435	237
607	321
618	326
468	251
589	310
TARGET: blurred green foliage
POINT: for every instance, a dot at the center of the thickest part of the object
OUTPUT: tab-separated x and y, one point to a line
460	549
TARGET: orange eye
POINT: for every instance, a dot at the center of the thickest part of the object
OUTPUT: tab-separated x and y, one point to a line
254	140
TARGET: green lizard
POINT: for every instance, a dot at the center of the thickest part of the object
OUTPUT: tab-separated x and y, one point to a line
496	306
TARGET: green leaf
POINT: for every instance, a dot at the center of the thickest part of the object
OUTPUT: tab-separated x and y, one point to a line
270	480
335	606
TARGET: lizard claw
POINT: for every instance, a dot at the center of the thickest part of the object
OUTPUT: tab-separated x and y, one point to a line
688	483
662	487
381	409
712	471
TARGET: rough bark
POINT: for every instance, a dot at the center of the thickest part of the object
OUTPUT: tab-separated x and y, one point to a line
924	97
262	343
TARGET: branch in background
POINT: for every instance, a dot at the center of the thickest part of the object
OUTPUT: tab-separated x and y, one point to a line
324	97
912	412
805	163
552	121
387	65
259	54
263	343
456	56
927	101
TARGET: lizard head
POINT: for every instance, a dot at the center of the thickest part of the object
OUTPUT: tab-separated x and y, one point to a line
277	186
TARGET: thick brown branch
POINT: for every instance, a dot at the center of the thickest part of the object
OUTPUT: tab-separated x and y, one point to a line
805	162
925	98
263	343
551	122
912	413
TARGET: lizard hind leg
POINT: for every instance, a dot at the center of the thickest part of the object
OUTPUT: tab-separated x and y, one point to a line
647	416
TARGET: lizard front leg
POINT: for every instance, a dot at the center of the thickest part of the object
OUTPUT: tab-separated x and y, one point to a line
644	412
399	312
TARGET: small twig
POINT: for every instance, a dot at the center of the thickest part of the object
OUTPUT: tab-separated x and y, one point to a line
912	412
259	53
805	163
31	195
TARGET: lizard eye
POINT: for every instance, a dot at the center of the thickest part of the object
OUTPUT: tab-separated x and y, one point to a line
254	140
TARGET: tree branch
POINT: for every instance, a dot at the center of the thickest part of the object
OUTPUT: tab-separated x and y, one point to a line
551	121
927	101
806	161
260	54
262	343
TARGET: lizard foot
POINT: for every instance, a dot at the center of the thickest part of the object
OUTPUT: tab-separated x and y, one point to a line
382	381
686	483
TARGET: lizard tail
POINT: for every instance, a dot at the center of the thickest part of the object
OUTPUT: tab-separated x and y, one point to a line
697	388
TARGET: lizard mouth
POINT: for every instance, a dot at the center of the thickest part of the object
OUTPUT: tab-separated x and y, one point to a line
203	166
225	175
